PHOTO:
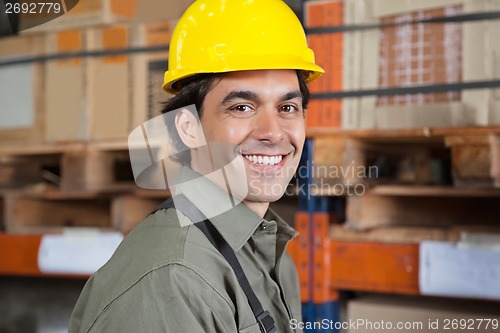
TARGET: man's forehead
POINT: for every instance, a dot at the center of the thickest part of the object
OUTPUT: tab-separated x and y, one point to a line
262	82
259	74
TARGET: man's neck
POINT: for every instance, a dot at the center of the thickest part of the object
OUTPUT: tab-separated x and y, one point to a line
259	208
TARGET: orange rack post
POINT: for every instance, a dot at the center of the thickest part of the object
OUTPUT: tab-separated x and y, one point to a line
19	256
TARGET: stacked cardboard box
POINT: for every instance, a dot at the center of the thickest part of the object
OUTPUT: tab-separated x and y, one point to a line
148	70
91	98
108	79
160	10
403	55
65	118
77	14
111	94
95	106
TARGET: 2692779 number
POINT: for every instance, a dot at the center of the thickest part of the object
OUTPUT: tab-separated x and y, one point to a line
33	8
470	324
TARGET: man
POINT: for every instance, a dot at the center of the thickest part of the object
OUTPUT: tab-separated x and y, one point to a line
244	65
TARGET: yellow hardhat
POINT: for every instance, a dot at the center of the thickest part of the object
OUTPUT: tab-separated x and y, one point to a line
218	36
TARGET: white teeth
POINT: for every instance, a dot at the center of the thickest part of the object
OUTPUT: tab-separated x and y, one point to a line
264	160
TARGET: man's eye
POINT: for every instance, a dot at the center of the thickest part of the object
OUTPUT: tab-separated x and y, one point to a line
242	108
288	108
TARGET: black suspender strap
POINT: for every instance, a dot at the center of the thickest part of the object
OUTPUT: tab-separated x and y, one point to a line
263	317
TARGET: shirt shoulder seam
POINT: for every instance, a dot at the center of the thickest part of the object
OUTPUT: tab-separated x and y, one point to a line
178	262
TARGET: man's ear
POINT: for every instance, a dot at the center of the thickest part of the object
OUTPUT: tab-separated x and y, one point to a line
189	129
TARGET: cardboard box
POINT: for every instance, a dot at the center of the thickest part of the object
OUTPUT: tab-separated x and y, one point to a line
21	91
108	84
109	95
417	314
65	105
420	54
85	13
148	70
161	10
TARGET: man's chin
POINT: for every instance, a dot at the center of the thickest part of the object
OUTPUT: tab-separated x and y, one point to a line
266	191
269	197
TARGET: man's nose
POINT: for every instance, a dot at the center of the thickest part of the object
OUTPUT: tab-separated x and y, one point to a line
269	126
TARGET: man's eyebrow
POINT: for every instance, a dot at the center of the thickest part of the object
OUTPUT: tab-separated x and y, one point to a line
251	96
292	95
248	95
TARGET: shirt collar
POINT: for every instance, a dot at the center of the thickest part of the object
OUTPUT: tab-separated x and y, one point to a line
283	227
235	223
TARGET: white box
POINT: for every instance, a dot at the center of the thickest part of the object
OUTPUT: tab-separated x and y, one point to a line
447	269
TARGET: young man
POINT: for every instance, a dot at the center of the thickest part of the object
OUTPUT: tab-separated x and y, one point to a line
245	65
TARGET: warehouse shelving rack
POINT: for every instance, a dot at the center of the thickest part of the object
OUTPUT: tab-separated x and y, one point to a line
364	266
327	266
330	265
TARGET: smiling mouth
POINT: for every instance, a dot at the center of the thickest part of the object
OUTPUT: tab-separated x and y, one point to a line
265	159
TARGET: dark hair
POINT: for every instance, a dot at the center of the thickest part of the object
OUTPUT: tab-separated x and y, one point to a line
193	90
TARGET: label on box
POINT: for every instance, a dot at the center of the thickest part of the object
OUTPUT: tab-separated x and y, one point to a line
450	270
80	252
17	96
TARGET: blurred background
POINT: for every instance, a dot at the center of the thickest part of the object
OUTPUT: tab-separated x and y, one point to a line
398	204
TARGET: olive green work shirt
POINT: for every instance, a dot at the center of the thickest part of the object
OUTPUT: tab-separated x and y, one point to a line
165	277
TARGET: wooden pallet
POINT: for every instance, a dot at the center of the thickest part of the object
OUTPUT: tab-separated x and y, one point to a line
69	167
49	187
352	161
475	159
408	234
427	206
467	157
31	212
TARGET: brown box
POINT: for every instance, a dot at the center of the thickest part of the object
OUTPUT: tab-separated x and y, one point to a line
109	95
148	70
85	13
65	96
164	10
21	91
420	54
108	84
419	315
